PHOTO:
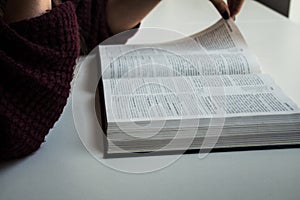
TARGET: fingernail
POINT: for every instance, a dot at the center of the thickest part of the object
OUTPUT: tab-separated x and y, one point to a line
225	15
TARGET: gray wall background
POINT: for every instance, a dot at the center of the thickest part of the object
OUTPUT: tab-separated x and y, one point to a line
281	6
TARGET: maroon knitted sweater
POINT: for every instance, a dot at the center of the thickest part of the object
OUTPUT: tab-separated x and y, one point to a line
37	58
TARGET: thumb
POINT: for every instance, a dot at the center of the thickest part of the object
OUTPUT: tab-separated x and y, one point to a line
235	6
222	7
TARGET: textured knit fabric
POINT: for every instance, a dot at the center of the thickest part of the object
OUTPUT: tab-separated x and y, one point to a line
37	58
91	16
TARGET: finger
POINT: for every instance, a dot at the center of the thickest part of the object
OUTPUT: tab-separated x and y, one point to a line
235	6
221	6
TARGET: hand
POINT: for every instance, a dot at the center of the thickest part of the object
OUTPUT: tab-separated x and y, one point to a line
231	9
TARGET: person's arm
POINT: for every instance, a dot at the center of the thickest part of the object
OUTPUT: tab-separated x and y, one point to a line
37	59
17	10
125	14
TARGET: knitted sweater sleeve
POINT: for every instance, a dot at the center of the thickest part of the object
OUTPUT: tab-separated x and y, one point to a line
93	27
92	21
37	57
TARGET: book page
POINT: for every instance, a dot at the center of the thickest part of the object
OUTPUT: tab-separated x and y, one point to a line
219	50
194	97
224	35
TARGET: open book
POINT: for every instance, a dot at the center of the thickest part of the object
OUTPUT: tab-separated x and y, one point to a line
205	92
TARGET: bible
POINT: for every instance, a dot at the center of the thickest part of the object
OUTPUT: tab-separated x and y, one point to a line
201	93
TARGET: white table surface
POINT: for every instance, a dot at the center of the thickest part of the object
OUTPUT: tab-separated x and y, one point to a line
64	167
